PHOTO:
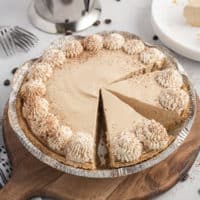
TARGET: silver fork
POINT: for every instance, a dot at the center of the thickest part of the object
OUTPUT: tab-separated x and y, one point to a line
16	38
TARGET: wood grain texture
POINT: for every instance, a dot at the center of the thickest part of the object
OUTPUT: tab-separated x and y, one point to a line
31	178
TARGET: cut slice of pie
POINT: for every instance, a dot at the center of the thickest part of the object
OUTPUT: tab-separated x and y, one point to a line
157	95
131	138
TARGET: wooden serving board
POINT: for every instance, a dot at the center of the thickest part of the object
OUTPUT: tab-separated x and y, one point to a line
30	177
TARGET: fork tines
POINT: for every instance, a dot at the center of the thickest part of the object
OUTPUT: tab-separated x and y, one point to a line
16	38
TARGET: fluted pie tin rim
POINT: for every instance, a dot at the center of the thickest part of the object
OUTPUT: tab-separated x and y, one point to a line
101	173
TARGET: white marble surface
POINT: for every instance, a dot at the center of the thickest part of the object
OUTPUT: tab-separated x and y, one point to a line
127	15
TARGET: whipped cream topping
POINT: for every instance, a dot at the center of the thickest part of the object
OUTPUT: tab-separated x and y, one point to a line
174	100
47	127
65	132
113	41
59	141
126	147
40	70
54	57
133	46
60	43
169	78
73	48
93	42
32	88
152	134
152	56
35	109
80	148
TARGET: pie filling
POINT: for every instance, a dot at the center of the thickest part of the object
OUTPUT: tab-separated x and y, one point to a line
142	98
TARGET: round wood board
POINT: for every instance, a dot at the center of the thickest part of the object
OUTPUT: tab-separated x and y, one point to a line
30	177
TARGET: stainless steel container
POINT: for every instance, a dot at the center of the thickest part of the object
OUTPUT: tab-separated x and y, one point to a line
57	16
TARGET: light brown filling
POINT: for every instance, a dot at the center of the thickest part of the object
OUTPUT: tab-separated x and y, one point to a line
142	94
126	119
73	91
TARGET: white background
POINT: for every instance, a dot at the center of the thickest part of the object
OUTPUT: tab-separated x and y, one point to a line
126	15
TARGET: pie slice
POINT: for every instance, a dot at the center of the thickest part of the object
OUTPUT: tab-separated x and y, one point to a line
157	95
131	138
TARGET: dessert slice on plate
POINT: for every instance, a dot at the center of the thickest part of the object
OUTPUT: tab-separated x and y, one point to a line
131	138
192	12
157	95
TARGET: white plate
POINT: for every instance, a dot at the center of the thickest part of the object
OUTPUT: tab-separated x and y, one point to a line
170	25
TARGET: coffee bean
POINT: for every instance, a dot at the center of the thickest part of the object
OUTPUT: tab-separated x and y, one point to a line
184	177
97	23
83	12
68	32
155	37
14	70
107	21
6	82
66	21
199	191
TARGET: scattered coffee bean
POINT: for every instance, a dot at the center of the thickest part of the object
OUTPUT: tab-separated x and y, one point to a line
155	37
199	191
118	0
6	82
68	32
83	12
107	21
97	23
184	177
14	70
66	21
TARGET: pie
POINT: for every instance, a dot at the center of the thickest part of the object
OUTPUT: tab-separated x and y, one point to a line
114	77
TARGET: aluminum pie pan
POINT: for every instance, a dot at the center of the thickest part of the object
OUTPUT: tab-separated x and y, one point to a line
183	131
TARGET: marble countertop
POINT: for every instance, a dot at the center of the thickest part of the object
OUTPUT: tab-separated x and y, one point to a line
126	15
